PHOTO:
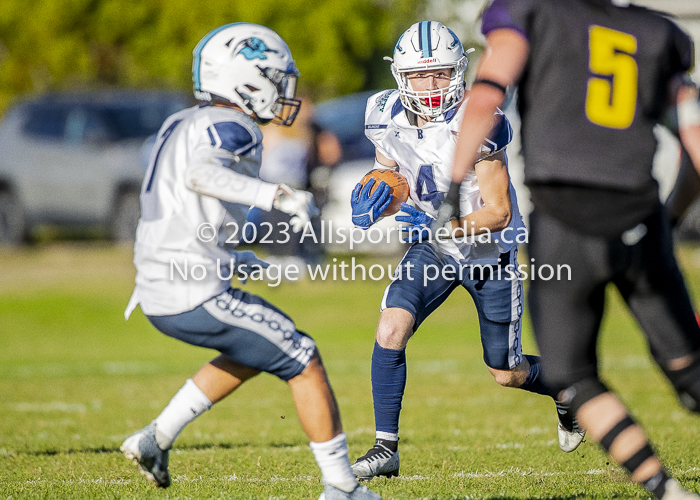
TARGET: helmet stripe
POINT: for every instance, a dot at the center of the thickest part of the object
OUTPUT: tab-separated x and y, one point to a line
424	43
420	37
197	62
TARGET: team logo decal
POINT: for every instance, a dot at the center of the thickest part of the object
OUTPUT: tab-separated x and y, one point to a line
455	40
254	48
382	99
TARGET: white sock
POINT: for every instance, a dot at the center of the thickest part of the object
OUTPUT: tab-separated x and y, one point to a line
189	403
332	459
387	436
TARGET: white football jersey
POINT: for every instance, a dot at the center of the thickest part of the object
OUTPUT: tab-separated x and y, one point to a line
202	178
424	157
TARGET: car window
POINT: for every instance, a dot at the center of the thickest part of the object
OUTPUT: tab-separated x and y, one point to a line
46	121
345	117
94	128
138	121
91	121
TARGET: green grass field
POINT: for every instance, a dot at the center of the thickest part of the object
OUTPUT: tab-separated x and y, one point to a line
76	379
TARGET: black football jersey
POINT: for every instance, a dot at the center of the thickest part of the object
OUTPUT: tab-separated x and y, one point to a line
596	82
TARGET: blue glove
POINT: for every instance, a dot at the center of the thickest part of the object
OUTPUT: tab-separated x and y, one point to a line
419	229
366	208
245	263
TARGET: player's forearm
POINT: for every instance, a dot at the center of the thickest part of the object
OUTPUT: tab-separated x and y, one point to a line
489	219
689	122
690	137
685	190
214	180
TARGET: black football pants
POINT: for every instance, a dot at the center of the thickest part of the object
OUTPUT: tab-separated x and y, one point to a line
566	314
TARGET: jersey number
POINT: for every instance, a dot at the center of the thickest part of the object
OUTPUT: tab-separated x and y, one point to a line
426	190
164	137
611	97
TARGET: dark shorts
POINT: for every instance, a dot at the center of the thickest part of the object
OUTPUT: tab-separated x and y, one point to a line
567	314
247	329
423	282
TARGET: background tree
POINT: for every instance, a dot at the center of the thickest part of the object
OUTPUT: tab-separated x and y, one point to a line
73	44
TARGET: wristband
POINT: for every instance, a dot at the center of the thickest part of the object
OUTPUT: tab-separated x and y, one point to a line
490	83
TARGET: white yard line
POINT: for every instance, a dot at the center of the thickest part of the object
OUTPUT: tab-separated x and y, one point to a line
478	474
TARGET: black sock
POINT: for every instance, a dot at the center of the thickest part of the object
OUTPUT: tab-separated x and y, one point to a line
390	445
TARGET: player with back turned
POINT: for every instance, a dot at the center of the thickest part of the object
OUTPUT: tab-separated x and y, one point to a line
594	77
414	129
203	173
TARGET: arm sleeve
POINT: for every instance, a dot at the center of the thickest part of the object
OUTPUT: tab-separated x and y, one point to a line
218	165
208	176
513	14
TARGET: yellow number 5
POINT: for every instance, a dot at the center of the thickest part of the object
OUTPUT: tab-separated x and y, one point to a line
611	97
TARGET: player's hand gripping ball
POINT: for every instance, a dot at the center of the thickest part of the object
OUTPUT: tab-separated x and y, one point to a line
398	186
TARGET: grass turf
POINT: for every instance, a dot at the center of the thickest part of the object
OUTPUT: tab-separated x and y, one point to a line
76	379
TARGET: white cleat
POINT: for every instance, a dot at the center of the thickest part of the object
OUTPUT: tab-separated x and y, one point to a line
674	491
569	433
570	439
142	448
359	493
378	461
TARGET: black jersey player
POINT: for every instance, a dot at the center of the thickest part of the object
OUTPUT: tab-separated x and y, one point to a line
594	77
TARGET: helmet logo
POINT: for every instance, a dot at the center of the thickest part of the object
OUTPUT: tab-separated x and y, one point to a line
455	40
254	48
398	47
426	61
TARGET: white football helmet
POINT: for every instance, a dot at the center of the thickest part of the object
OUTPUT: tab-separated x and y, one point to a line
429	45
248	65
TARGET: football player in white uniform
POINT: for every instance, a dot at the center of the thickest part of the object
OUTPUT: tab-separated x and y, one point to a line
203	174
415	130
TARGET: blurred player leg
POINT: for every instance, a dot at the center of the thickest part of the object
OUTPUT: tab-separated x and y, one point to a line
571	361
320	419
655	291
253	336
149	447
498	297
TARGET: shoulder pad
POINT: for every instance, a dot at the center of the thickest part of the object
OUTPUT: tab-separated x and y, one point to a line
501	135
233	136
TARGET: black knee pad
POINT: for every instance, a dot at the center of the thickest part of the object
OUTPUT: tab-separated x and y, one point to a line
687	384
579	393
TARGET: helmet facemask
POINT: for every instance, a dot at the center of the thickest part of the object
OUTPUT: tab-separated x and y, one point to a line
435	102
286	107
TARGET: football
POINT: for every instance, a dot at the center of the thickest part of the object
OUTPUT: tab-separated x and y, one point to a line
397	183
